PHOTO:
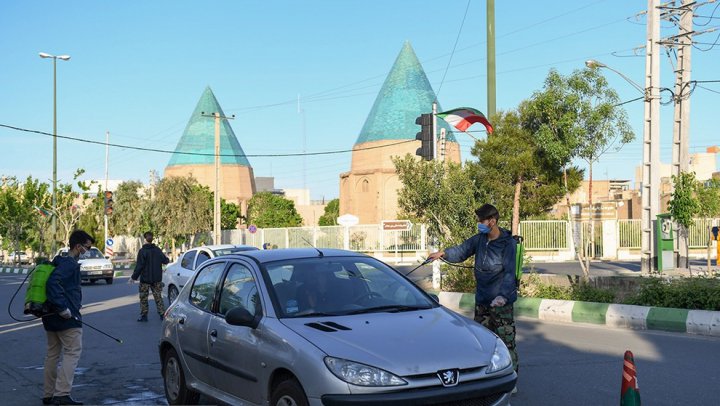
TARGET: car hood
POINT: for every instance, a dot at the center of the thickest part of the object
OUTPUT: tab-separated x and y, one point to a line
94	262
407	343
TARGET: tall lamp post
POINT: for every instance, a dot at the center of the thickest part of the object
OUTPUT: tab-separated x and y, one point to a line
650	192
54	180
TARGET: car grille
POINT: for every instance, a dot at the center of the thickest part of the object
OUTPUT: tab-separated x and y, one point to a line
483	401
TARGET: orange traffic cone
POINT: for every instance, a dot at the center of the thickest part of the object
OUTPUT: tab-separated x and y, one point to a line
629	391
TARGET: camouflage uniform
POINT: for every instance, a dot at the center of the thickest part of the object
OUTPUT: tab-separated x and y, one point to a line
156	288
500	321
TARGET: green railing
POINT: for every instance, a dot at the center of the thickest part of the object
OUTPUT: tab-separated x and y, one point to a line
545	235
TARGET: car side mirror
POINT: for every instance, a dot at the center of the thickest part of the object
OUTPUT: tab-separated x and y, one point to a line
240	316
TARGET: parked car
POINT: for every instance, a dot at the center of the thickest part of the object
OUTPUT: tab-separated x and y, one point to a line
19	258
323	326
178	273
93	266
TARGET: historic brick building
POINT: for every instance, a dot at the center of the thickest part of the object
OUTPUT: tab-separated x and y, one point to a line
370	189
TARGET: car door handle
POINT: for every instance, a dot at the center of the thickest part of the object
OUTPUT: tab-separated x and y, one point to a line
213	336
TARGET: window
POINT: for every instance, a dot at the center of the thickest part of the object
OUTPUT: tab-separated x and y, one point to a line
239	289
365	185
202	256
203	290
187	260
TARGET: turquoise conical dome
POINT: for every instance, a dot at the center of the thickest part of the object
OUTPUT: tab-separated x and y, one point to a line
405	95
199	137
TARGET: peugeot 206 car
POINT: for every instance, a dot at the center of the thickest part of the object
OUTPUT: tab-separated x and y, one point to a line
93	265
177	273
323	327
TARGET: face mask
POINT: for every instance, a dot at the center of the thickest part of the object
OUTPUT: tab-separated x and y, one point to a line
483	229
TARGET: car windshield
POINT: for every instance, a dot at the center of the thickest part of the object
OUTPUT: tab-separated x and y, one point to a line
92	253
340	286
225	251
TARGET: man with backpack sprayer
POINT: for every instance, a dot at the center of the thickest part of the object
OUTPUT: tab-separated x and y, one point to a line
64	326
495	274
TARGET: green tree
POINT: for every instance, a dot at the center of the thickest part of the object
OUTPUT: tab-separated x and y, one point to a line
180	209
92	219
131	210
69	204
439	195
332	212
683	205
510	169
266	210
37	196
229	215
576	117
15	215
708	196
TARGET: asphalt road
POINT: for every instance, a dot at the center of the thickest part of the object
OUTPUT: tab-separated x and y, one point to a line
561	364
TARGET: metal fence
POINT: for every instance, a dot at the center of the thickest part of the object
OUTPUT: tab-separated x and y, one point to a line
545	235
629	234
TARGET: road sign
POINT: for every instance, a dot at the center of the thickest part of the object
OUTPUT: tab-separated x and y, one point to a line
252	229
348	220
396	225
109	242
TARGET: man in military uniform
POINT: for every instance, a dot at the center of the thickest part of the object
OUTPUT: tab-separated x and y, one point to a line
148	268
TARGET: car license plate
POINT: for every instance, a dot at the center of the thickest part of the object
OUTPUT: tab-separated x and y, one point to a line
95	273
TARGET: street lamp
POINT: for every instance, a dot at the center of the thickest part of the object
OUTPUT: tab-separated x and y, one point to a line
650	192
54	181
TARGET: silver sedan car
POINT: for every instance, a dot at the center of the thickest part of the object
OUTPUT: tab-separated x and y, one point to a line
323	327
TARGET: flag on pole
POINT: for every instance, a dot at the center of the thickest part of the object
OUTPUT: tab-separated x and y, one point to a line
42	211
462	118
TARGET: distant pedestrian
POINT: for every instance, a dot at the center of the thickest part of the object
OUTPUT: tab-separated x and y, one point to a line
148	268
496	284
715	235
63	327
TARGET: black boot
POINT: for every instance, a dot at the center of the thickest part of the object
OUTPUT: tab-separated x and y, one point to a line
143	317
65	400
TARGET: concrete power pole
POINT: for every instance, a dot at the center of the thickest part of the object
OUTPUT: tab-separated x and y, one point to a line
651	140
216	207
490	17
681	122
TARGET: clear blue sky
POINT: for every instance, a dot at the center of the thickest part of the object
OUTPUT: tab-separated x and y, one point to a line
138	69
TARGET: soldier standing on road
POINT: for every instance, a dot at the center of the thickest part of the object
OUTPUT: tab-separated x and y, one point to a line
148	268
496	291
63	328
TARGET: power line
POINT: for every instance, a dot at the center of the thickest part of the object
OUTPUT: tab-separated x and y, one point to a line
452	53
164	151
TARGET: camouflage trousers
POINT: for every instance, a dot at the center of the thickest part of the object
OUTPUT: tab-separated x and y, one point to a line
156	289
500	321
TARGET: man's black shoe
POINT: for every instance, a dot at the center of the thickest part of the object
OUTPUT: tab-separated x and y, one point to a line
47	401
65	400
143	317
162	317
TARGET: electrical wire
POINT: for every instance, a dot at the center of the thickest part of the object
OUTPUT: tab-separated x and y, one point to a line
164	151
708	18
452	53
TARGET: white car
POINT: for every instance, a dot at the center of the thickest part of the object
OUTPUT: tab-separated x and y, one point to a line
93	265
179	272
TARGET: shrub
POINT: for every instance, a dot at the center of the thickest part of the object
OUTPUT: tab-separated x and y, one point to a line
458	279
532	286
698	293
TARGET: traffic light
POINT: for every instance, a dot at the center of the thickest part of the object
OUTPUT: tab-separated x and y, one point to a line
108	202
426	136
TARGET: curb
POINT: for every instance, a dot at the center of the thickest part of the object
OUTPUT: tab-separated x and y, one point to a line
20	271
703	322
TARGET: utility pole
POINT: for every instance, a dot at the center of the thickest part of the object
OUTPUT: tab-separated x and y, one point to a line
434	131
651	140
491	57
216	206
107	154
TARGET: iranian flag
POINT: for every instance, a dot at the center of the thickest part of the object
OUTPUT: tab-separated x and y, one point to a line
464	117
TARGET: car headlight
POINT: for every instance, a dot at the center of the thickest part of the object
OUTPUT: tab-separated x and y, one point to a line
500	358
361	374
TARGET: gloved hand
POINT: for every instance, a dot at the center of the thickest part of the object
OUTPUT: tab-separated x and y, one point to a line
65	314
498	302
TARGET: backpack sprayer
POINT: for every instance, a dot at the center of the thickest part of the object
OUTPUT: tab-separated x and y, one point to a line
36	298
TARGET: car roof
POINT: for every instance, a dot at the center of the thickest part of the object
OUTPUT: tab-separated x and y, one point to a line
221	246
283	254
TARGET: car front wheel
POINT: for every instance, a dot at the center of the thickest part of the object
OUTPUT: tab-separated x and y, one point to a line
109	281
176	390
172	294
288	393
